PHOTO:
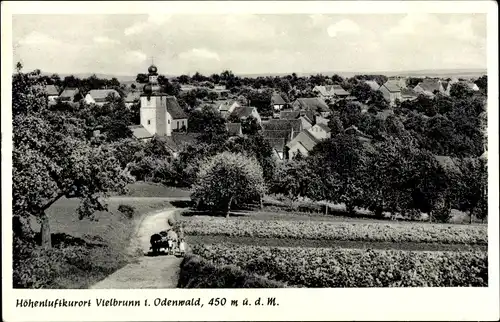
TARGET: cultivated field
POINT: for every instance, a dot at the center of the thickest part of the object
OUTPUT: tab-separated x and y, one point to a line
261	249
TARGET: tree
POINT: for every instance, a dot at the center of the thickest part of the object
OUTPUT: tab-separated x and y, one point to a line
389	172
250	126
335	124
228	177
183	79
482	83
212	96
460	91
471	186
52	158
349	112
142	78
339	165
377	101
208	119
362	91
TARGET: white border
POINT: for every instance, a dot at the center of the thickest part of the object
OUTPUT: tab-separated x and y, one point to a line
295	304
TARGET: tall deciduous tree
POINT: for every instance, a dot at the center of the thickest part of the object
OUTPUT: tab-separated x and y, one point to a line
339	163
52	158
472	186
228	177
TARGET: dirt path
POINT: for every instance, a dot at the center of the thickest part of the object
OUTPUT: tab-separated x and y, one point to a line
147	272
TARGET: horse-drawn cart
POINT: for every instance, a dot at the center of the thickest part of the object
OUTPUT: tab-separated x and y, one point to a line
164	240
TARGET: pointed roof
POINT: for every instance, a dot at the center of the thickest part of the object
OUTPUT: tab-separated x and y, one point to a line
392	87
276	143
276	99
69	93
174	109
338	90
100	95
373	84
324	127
243	111
132	96
429	85
140	132
51	90
305	138
314	104
282	124
226	104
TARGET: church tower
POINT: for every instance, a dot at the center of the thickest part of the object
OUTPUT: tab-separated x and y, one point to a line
154	115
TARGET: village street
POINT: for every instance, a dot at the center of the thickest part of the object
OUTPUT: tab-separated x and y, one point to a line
147	271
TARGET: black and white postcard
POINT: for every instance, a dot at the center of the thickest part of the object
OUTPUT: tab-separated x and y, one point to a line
233	160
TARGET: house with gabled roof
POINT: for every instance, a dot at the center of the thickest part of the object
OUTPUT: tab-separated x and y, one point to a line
51	92
68	94
303	143
320	131
373	84
339	92
429	86
278	147
391	92
131	98
408	94
278	104
313	104
244	112
227	107
330	91
100	96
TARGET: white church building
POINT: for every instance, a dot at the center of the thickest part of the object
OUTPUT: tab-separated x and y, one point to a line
160	113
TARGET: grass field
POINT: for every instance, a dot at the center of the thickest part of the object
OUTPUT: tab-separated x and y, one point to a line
149	189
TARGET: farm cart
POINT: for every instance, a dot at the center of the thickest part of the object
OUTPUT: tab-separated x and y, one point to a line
164	240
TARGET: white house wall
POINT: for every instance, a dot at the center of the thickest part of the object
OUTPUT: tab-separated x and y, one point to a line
148	114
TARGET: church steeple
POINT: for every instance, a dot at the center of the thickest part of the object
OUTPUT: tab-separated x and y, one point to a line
152	86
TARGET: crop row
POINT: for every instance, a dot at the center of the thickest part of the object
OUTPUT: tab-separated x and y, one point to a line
320	267
381	232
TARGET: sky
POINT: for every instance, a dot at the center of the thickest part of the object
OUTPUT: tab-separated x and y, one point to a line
249	44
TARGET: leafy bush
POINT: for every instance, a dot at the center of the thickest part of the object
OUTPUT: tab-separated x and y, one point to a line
319	267
382	232
127	210
197	272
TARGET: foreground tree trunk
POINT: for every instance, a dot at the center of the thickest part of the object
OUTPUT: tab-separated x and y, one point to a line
350	208
261	201
229	206
470	217
45	231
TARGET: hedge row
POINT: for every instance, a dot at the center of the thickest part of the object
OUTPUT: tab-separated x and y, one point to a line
197	272
420	233
319	267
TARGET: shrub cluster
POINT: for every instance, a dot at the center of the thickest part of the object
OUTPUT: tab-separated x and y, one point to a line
319	267
63	266
127	210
